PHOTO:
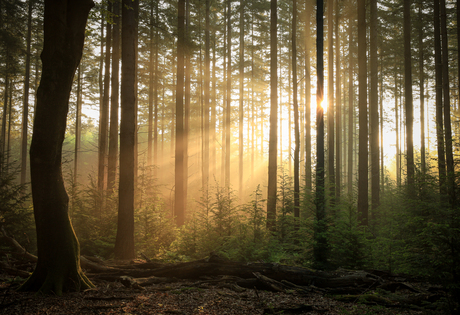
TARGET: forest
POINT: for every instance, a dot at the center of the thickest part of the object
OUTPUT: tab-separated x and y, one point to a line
304	147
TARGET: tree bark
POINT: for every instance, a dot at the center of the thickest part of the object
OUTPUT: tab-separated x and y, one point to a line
114	102
438	89
409	108
320	248
330	102
124	242
179	158
308	172
58	266
373	110
447	120
272	145
338	106
296	114
241	108
25	112
363	183
104	115
350	107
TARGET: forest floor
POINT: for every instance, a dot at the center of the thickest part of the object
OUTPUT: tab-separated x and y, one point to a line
185	297
202	297
217	286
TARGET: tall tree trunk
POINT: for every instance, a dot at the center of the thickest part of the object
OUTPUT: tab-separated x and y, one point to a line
114	101
296	113
124	242
374	109
308	172
25	111
155	100
422	90
179	159
363	183
330	101
320	248
338	106
206	97
272	145
398	146
187	96
447	120
212	127
408	98
241	109
104	114
229	95
438	88
150	90
58	266
350	106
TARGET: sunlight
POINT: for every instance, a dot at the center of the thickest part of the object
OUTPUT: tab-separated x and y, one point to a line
324	105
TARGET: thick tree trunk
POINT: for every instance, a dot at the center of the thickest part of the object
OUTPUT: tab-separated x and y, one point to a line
124	242
58	266
320	248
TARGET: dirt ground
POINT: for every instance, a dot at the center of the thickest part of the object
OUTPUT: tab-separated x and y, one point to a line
187	297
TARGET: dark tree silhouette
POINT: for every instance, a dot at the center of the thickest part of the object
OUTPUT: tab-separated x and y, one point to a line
58	266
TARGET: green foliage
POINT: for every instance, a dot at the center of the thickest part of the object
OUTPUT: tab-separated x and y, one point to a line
347	239
15	209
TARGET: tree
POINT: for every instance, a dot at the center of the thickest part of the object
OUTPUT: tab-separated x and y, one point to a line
308	172
272	144
207	78
241	108
338	106
58	266
438	91
373	109
104	111
447	121
296	114
179	161
25	112
330	100
408	98
363	135
124	242
350	106
114	101
320	248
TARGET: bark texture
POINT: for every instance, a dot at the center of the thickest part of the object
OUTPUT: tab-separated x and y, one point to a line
58	265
